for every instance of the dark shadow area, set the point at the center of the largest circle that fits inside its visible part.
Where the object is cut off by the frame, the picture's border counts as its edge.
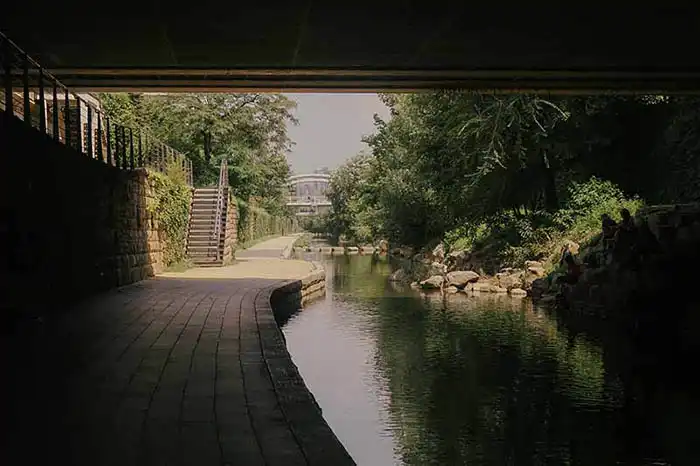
(650, 340)
(70, 225)
(161, 371)
(287, 303)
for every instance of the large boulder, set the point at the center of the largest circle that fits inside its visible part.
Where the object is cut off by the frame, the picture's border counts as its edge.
(433, 283)
(461, 278)
(399, 276)
(457, 260)
(439, 252)
(539, 287)
(527, 281)
(483, 287)
(537, 271)
(436, 268)
(510, 280)
(422, 258)
(529, 264)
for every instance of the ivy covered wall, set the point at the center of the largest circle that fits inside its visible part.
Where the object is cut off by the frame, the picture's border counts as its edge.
(255, 223)
(168, 206)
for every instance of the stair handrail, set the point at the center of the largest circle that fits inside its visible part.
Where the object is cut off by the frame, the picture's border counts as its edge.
(223, 183)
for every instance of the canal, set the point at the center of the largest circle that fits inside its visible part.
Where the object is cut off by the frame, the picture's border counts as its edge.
(407, 379)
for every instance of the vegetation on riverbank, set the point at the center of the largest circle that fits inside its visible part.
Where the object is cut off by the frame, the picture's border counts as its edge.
(512, 177)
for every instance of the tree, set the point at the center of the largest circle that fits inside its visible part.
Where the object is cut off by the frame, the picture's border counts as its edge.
(248, 130)
(504, 165)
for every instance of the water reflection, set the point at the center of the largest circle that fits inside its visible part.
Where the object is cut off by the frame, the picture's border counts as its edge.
(456, 380)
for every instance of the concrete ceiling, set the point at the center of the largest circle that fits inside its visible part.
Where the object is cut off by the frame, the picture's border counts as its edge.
(218, 45)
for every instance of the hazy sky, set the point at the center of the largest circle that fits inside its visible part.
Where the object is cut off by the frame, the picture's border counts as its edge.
(330, 128)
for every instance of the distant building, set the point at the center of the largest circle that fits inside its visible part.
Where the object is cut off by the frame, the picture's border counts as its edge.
(307, 194)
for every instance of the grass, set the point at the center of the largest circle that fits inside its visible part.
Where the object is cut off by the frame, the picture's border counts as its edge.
(303, 241)
(180, 266)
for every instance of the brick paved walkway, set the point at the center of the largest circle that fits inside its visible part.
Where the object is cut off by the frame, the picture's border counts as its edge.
(167, 371)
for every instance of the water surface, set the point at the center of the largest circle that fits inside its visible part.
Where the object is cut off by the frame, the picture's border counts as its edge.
(421, 380)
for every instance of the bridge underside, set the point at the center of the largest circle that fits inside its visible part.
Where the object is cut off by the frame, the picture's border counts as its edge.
(216, 46)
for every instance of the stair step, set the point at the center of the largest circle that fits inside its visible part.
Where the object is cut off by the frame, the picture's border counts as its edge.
(203, 250)
(205, 236)
(203, 244)
(203, 247)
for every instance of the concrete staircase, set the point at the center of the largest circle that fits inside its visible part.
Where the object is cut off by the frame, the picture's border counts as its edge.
(204, 247)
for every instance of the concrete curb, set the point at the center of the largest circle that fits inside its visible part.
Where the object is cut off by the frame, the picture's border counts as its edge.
(301, 411)
(288, 249)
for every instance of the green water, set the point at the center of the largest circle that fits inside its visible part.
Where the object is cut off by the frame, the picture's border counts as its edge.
(492, 380)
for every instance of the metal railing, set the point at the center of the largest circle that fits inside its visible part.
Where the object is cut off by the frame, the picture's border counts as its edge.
(32, 94)
(308, 200)
(221, 192)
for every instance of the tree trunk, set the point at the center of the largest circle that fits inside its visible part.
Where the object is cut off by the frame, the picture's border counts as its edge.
(551, 200)
(207, 146)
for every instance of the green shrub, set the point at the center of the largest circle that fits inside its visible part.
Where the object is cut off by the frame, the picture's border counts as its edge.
(586, 202)
(514, 237)
(464, 238)
(169, 206)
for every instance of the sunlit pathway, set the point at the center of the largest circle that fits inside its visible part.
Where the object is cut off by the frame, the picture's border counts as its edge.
(182, 370)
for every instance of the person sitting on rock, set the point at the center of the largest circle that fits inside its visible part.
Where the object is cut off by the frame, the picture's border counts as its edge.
(565, 252)
(625, 238)
(573, 271)
(627, 220)
(609, 227)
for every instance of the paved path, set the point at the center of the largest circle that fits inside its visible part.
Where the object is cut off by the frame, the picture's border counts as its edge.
(272, 248)
(187, 370)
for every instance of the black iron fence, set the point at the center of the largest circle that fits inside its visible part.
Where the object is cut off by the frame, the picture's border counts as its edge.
(33, 95)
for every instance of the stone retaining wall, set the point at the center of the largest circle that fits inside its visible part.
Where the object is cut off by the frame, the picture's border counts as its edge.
(231, 234)
(69, 225)
(292, 295)
(301, 411)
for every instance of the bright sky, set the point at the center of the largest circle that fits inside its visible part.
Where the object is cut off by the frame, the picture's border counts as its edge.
(330, 128)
